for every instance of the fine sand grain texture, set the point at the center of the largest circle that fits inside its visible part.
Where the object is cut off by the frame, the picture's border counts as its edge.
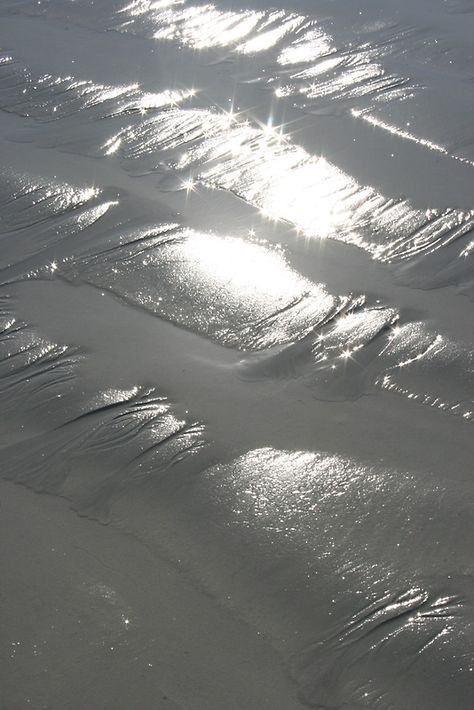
(236, 355)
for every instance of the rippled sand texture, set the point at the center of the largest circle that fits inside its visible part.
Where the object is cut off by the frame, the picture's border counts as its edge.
(236, 325)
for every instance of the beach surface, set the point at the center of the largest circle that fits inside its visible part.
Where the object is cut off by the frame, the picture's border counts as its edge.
(236, 355)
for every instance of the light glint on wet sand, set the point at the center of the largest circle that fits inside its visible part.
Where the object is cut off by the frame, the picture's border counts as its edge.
(236, 355)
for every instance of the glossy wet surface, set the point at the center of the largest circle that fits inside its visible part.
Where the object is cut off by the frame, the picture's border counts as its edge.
(236, 316)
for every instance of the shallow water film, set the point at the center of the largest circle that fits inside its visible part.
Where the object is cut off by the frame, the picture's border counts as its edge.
(236, 355)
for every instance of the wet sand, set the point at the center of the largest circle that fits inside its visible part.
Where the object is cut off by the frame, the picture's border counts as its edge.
(236, 355)
(93, 618)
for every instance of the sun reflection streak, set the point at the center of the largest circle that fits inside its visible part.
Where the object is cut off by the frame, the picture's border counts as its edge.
(414, 357)
(269, 38)
(311, 46)
(243, 293)
(468, 250)
(206, 26)
(263, 166)
(368, 117)
(352, 73)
